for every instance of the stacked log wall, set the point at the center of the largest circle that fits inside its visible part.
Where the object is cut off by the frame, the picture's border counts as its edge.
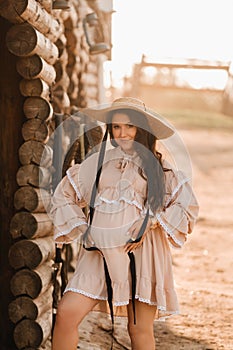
(58, 74)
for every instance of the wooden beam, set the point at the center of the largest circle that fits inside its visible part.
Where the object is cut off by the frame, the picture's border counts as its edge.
(24, 40)
(36, 200)
(30, 225)
(31, 253)
(19, 11)
(35, 67)
(188, 65)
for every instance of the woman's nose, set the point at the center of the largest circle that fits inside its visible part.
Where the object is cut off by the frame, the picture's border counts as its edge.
(123, 131)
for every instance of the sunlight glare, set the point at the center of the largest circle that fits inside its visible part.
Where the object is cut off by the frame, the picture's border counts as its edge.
(168, 28)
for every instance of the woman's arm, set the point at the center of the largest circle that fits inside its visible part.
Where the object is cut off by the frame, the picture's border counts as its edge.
(181, 208)
(68, 217)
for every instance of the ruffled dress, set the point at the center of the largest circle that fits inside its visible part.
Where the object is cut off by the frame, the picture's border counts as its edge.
(120, 201)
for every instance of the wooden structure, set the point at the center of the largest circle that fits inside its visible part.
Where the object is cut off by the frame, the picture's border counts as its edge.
(46, 70)
(158, 84)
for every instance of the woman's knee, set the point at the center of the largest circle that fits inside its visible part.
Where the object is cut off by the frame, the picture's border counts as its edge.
(72, 308)
(139, 330)
(68, 313)
(65, 314)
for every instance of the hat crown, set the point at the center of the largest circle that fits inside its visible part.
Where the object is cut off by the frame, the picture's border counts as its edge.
(131, 101)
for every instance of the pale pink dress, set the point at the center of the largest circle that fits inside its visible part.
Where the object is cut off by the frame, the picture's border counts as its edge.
(119, 203)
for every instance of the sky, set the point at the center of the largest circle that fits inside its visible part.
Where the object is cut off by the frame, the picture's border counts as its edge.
(169, 28)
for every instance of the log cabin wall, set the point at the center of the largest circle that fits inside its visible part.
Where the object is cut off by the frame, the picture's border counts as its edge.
(46, 69)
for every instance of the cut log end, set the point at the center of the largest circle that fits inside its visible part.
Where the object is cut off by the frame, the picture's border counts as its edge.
(28, 333)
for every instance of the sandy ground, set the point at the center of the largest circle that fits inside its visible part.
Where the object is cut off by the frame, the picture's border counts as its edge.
(203, 268)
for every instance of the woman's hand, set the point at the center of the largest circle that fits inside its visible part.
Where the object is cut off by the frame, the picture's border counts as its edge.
(75, 233)
(133, 233)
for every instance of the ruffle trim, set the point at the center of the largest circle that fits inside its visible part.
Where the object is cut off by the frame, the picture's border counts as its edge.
(169, 231)
(158, 216)
(162, 309)
(176, 189)
(114, 201)
(66, 232)
(80, 291)
(73, 185)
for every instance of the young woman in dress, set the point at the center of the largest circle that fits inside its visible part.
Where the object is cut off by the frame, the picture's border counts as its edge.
(139, 206)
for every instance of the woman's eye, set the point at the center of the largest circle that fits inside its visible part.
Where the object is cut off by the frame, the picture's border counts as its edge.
(130, 126)
(115, 127)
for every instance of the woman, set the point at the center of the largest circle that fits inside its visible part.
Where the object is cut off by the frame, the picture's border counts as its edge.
(138, 205)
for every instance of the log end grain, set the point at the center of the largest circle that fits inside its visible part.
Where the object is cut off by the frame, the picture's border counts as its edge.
(26, 282)
(28, 333)
(24, 253)
(21, 308)
(23, 224)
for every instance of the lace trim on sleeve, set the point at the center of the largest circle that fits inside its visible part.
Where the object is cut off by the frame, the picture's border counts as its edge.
(63, 233)
(168, 230)
(73, 185)
(176, 189)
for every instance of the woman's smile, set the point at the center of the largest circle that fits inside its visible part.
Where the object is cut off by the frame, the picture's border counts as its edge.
(123, 131)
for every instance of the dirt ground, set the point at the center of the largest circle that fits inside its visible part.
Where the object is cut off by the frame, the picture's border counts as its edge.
(203, 268)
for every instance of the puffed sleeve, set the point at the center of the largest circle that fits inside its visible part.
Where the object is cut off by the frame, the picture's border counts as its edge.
(66, 209)
(181, 208)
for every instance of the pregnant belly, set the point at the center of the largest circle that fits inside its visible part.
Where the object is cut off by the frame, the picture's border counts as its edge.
(110, 229)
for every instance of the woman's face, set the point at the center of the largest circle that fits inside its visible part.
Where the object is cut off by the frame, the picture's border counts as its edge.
(123, 131)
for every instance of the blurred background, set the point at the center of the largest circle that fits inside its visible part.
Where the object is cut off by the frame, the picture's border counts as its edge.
(175, 55)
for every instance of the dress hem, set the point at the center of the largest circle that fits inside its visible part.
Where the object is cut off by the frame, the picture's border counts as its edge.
(161, 309)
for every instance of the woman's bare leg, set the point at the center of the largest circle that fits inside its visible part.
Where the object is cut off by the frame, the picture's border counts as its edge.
(72, 308)
(141, 333)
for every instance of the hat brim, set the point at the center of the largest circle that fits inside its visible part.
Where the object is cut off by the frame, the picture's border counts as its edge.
(158, 125)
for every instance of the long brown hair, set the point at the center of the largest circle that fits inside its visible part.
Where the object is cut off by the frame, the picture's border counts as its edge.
(145, 146)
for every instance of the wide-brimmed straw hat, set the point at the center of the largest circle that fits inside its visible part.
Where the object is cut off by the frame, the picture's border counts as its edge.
(159, 126)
